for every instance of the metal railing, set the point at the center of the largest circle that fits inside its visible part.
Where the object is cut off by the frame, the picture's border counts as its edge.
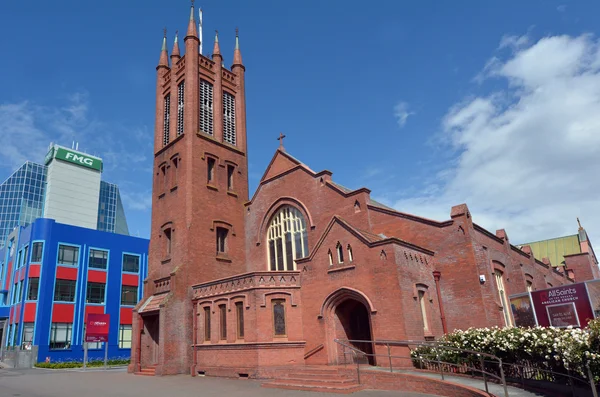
(490, 367)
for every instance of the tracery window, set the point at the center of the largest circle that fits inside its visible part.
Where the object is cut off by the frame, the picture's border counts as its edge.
(287, 239)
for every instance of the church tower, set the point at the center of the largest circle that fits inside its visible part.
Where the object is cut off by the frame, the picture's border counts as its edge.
(200, 184)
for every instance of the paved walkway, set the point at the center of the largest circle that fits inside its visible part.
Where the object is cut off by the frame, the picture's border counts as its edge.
(493, 388)
(75, 383)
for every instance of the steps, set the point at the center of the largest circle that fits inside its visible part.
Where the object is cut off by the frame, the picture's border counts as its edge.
(148, 371)
(319, 379)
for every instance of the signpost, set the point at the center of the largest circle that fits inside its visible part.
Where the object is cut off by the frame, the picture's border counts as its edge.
(96, 330)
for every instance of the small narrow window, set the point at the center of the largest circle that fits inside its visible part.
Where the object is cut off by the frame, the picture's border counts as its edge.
(98, 259)
(223, 321)
(279, 317)
(206, 107)
(230, 171)
(529, 286)
(167, 234)
(163, 177)
(131, 263)
(221, 240)
(422, 303)
(350, 257)
(125, 334)
(229, 118)
(34, 285)
(27, 334)
(175, 170)
(180, 107)
(239, 309)
(64, 290)
(166, 120)
(550, 285)
(207, 324)
(210, 169)
(68, 255)
(95, 293)
(340, 252)
(129, 295)
(330, 258)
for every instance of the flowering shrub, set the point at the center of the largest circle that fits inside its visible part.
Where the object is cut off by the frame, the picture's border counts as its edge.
(562, 350)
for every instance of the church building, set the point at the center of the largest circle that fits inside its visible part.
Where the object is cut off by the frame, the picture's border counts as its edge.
(237, 284)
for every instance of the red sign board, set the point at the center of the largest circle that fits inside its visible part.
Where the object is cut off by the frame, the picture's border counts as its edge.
(562, 306)
(96, 327)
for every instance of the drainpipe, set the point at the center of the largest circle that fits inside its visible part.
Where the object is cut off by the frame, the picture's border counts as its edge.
(436, 276)
(141, 327)
(195, 338)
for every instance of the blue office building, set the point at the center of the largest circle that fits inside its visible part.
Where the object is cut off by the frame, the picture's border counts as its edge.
(52, 275)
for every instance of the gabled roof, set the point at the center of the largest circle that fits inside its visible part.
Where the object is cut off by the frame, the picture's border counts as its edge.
(368, 238)
(281, 162)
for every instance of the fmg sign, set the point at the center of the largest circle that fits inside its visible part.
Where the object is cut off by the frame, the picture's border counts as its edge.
(74, 158)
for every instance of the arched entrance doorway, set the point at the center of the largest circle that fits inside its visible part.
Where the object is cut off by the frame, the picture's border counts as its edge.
(353, 323)
(348, 317)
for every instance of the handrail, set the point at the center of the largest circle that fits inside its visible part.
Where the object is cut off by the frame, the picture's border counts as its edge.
(407, 343)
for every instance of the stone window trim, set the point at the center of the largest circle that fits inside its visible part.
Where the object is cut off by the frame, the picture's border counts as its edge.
(340, 252)
(175, 161)
(420, 289)
(275, 207)
(284, 303)
(211, 177)
(167, 230)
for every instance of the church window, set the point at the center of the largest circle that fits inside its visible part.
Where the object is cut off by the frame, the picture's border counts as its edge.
(422, 304)
(175, 170)
(206, 324)
(503, 298)
(221, 240)
(163, 176)
(206, 107)
(210, 169)
(287, 239)
(350, 257)
(180, 99)
(166, 119)
(167, 233)
(340, 252)
(239, 309)
(230, 173)
(279, 317)
(228, 118)
(330, 255)
(529, 286)
(223, 322)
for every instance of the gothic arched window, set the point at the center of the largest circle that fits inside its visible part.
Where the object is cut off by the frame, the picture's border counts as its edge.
(287, 239)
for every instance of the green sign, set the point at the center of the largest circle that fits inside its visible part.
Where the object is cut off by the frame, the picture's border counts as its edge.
(49, 156)
(77, 158)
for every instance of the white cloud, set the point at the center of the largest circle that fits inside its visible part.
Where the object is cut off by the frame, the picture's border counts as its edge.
(561, 8)
(28, 128)
(402, 113)
(529, 153)
(514, 42)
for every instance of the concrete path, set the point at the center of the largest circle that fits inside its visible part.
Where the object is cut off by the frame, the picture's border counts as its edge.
(116, 382)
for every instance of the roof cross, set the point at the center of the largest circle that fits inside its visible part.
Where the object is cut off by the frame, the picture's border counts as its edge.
(280, 139)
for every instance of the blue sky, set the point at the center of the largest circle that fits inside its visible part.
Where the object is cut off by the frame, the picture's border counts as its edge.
(429, 104)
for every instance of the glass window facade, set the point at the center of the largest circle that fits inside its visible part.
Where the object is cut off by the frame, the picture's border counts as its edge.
(98, 259)
(129, 295)
(131, 263)
(124, 336)
(21, 198)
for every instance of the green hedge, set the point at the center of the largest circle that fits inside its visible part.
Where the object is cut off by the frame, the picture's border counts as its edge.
(79, 364)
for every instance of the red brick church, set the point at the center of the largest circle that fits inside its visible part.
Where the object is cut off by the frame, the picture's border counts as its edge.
(239, 283)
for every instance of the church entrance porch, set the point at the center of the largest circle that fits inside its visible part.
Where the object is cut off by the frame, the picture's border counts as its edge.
(348, 318)
(353, 323)
(150, 346)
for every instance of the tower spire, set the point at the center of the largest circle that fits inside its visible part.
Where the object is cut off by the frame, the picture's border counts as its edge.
(200, 29)
(237, 54)
(175, 52)
(164, 57)
(216, 49)
(191, 30)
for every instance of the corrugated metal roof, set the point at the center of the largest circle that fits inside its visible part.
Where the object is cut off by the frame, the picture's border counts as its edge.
(555, 249)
